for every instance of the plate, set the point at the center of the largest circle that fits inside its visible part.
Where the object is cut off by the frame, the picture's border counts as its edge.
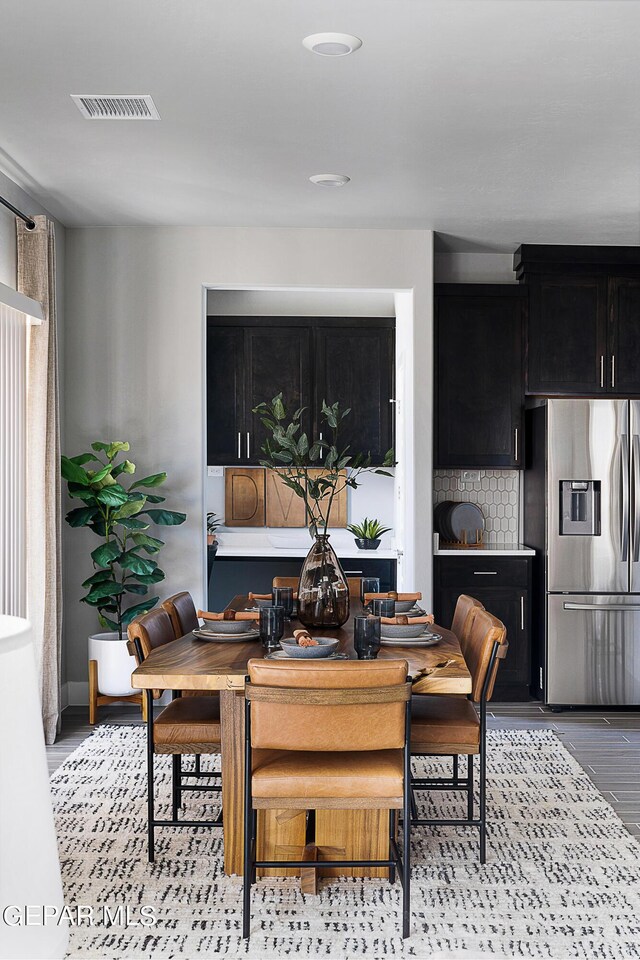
(226, 637)
(415, 612)
(281, 655)
(430, 641)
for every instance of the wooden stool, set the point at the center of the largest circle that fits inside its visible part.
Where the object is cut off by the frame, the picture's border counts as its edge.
(97, 699)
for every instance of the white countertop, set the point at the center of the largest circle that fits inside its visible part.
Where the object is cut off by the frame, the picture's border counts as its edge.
(490, 549)
(295, 543)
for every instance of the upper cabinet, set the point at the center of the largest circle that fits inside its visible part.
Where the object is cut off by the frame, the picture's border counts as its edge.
(479, 375)
(253, 359)
(583, 332)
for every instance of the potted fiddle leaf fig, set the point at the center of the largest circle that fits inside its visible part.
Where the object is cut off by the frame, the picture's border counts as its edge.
(119, 510)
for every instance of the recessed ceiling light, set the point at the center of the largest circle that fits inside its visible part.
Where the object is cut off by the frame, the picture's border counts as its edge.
(332, 44)
(329, 179)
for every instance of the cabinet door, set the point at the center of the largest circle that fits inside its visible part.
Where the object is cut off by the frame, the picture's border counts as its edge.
(623, 373)
(354, 366)
(566, 340)
(225, 395)
(479, 381)
(277, 361)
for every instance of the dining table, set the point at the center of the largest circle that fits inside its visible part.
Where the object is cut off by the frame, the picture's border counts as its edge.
(191, 663)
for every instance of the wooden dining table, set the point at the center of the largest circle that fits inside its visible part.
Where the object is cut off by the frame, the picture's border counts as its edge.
(189, 663)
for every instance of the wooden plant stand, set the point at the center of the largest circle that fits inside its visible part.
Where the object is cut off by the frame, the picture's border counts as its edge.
(97, 699)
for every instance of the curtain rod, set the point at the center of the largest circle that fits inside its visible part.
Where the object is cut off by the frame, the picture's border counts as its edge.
(31, 224)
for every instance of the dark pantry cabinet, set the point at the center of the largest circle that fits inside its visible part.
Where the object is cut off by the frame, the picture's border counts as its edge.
(503, 585)
(479, 374)
(583, 331)
(253, 359)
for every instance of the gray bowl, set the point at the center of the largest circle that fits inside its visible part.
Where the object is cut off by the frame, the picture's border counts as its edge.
(406, 631)
(229, 626)
(403, 606)
(326, 646)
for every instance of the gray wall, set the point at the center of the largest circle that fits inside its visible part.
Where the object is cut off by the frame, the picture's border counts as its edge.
(134, 361)
(473, 268)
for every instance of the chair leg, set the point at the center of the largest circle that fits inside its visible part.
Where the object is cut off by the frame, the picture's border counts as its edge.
(197, 770)
(483, 801)
(406, 855)
(248, 869)
(150, 809)
(392, 834)
(175, 785)
(455, 768)
(469, 786)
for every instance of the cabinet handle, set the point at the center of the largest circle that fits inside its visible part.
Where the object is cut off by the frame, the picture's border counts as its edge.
(515, 444)
(321, 450)
(613, 370)
(602, 370)
(522, 613)
(248, 447)
(485, 573)
(239, 444)
(354, 573)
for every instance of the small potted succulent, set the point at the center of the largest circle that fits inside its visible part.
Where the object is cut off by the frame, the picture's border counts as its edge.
(213, 522)
(368, 533)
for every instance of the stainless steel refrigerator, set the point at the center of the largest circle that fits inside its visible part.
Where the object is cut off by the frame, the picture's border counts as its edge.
(582, 511)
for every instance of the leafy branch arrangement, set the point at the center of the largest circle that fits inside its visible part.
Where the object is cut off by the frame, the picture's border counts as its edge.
(119, 517)
(368, 529)
(293, 455)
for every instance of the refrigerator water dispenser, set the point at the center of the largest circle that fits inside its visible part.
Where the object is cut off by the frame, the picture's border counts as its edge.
(580, 508)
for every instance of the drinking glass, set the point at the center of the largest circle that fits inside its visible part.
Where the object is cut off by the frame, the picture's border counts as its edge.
(383, 608)
(283, 597)
(369, 585)
(366, 637)
(271, 627)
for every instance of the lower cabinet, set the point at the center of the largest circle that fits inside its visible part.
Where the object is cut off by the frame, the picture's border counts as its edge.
(503, 585)
(230, 576)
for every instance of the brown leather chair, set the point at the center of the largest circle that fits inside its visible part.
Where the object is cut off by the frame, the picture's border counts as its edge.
(188, 725)
(352, 582)
(466, 608)
(325, 736)
(451, 726)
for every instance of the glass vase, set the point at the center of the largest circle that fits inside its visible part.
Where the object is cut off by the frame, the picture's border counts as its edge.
(323, 591)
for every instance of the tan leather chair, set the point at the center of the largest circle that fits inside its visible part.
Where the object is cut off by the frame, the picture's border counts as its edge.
(352, 582)
(188, 725)
(466, 609)
(451, 726)
(325, 736)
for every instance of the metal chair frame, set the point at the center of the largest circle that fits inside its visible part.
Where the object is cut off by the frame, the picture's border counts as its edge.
(400, 858)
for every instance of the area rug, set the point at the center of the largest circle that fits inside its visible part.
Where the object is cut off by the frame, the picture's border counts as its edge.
(562, 877)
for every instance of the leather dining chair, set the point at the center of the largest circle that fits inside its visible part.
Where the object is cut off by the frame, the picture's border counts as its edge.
(187, 725)
(466, 608)
(327, 736)
(451, 726)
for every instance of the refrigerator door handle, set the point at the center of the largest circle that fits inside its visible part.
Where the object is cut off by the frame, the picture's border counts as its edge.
(624, 497)
(626, 607)
(635, 494)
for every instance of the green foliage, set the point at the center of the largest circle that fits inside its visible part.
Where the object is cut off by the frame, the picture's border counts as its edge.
(117, 516)
(294, 455)
(368, 529)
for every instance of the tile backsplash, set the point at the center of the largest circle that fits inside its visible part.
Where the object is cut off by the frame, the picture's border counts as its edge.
(497, 493)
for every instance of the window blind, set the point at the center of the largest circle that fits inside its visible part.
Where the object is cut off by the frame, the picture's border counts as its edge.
(13, 386)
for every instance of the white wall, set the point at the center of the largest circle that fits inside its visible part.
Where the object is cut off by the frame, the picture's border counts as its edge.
(134, 360)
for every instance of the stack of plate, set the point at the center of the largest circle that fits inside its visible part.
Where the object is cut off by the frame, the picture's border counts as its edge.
(228, 631)
(408, 635)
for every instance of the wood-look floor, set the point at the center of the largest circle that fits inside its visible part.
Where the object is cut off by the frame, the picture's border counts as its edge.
(606, 743)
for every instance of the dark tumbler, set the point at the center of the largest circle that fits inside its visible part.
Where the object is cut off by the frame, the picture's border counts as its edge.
(271, 627)
(366, 637)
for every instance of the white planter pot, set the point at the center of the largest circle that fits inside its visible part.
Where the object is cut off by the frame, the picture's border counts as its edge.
(115, 665)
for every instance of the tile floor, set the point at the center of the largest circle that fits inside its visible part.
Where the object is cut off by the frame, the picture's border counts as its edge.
(606, 743)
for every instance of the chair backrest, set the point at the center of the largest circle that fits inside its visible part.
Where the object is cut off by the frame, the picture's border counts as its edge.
(463, 616)
(314, 723)
(352, 582)
(182, 611)
(153, 629)
(485, 631)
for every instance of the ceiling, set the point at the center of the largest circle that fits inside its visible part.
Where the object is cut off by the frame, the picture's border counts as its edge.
(493, 122)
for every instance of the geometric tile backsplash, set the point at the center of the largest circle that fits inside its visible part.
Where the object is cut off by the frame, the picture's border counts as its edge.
(497, 493)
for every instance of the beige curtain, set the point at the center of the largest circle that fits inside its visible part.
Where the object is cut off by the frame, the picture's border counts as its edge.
(37, 279)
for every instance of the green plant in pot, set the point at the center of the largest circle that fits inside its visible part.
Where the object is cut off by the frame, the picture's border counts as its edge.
(317, 471)
(368, 533)
(124, 567)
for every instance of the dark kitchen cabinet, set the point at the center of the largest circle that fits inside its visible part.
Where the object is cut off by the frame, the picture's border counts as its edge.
(253, 359)
(354, 366)
(583, 335)
(479, 375)
(503, 585)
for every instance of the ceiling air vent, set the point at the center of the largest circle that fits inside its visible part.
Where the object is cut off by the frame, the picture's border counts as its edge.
(100, 106)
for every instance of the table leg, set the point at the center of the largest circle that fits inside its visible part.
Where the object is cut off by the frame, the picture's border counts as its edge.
(353, 835)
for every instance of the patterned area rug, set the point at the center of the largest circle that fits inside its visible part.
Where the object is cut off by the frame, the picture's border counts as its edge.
(562, 878)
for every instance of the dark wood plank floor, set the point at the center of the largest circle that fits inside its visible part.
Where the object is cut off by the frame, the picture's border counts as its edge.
(606, 743)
